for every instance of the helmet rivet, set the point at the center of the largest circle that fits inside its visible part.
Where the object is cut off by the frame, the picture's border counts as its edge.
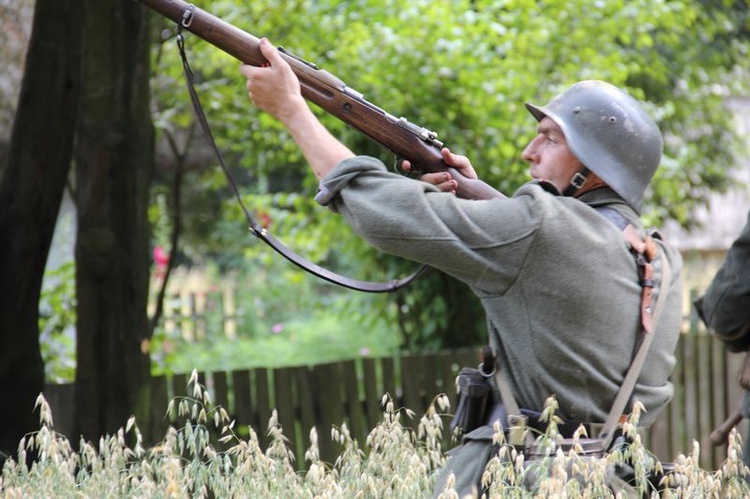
(577, 110)
(613, 119)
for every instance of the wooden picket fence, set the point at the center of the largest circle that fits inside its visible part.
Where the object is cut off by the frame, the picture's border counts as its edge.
(351, 392)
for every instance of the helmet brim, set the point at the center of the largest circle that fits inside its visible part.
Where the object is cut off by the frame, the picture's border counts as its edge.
(535, 111)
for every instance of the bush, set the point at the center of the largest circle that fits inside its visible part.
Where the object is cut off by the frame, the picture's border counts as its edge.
(206, 458)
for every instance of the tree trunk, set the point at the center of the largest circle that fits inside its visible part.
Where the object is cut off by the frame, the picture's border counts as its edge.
(114, 166)
(31, 190)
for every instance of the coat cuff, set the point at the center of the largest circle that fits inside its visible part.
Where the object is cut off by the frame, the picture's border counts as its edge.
(338, 178)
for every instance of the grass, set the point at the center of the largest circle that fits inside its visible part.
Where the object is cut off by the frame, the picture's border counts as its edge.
(206, 458)
(310, 340)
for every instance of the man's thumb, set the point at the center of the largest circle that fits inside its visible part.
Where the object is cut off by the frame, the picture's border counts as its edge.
(269, 51)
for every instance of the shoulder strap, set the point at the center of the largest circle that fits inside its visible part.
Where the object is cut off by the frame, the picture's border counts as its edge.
(260, 231)
(506, 393)
(613, 216)
(645, 250)
(516, 422)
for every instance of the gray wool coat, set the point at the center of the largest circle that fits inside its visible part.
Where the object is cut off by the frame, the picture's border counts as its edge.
(556, 279)
(725, 307)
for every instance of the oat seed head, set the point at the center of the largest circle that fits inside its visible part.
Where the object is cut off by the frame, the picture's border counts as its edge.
(396, 460)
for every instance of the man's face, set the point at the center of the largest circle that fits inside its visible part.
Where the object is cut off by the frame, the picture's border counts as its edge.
(549, 157)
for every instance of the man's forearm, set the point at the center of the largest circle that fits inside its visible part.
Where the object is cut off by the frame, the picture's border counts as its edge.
(321, 149)
(275, 89)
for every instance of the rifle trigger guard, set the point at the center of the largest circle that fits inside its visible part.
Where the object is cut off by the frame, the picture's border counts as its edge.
(188, 16)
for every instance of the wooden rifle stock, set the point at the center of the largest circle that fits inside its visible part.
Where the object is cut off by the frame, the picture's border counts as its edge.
(407, 140)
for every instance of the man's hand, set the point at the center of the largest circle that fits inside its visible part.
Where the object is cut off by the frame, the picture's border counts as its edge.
(274, 88)
(443, 180)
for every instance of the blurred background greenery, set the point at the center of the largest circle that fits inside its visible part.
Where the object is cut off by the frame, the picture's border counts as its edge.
(461, 68)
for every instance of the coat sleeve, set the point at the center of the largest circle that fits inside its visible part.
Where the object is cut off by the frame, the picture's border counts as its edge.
(482, 243)
(725, 308)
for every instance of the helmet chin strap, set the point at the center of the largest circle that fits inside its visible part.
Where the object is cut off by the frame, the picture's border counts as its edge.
(577, 181)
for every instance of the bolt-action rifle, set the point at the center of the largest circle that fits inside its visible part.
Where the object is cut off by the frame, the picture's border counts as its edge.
(405, 139)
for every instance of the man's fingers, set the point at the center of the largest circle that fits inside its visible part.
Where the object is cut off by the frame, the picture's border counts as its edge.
(460, 162)
(246, 70)
(441, 180)
(270, 52)
(435, 178)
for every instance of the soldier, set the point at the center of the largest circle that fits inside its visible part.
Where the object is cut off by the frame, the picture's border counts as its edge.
(725, 309)
(557, 280)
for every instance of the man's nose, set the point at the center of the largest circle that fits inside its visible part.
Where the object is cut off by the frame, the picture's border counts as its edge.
(529, 153)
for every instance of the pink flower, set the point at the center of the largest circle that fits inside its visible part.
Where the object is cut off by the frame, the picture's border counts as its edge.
(161, 257)
(161, 261)
(277, 328)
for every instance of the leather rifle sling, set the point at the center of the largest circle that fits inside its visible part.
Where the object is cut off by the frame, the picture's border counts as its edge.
(258, 230)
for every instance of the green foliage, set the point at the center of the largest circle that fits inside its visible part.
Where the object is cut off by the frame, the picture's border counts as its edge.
(57, 319)
(316, 339)
(282, 317)
(464, 69)
(394, 461)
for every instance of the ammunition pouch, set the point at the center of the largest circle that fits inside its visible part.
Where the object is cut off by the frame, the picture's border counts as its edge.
(475, 394)
(474, 398)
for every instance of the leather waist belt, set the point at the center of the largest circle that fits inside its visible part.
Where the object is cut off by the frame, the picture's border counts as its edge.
(566, 428)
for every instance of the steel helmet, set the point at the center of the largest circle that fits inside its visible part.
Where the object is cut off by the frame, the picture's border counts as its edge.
(609, 132)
